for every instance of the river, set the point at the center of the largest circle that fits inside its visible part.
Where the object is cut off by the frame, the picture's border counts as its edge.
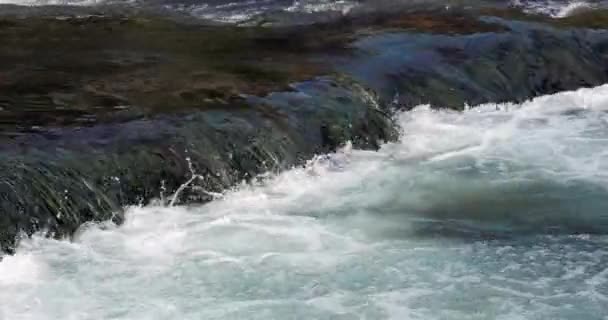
(498, 212)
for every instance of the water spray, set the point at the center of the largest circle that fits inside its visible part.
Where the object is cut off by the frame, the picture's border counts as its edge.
(185, 185)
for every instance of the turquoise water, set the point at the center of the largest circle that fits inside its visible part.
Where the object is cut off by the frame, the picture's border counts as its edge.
(499, 212)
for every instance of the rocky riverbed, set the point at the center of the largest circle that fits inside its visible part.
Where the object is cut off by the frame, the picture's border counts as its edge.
(102, 108)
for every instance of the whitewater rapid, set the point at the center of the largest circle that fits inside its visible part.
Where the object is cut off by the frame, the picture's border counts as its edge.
(498, 212)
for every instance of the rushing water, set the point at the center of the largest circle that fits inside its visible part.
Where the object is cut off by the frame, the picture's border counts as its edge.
(235, 11)
(558, 8)
(500, 212)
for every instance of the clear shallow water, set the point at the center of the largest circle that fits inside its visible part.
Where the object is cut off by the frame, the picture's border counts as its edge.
(499, 212)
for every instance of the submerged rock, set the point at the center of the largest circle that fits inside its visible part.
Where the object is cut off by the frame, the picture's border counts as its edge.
(64, 177)
(453, 71)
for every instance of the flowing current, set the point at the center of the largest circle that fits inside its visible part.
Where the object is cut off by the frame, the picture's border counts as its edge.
(498, 212)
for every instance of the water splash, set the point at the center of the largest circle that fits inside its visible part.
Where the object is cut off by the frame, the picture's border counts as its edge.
(188, 184)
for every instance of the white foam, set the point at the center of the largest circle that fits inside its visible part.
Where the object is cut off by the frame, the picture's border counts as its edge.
(322, 6)
(22, 268)
(236, 12)
(555, 9)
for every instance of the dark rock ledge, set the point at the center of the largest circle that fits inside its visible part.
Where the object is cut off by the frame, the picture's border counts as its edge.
(98, 112)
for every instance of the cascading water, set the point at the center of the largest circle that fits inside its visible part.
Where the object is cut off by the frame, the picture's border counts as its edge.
(498, 212)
